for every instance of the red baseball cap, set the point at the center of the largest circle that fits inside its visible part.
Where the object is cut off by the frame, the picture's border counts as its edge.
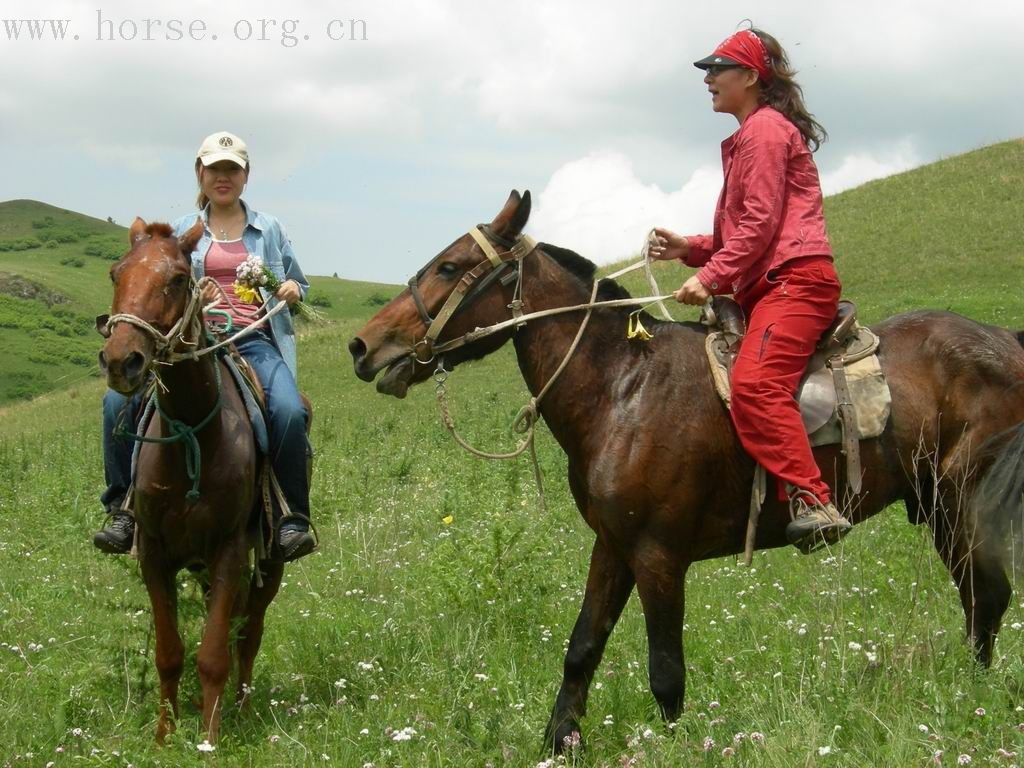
(743, 49)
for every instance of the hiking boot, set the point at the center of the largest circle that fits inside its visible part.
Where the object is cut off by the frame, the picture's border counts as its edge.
(295, 543)
(814, 525)
(117, 535)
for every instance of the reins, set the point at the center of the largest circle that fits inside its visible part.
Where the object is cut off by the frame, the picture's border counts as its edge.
(165, 354)
(518, 249)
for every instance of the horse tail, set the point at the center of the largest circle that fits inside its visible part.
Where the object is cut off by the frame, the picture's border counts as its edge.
(998, 499)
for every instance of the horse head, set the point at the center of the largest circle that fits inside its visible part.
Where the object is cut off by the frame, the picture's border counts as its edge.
(470, 284)
(152, 286)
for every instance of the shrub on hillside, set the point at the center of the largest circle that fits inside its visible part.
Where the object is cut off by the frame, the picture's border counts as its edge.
(377, 300)
(51, 244)
(318, 299)
(73, 261)
(43, 223)
(19, 244)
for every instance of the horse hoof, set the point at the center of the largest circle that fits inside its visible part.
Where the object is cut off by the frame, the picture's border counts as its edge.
(565, 739)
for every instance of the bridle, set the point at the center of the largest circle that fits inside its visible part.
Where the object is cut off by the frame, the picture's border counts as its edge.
(505, 266)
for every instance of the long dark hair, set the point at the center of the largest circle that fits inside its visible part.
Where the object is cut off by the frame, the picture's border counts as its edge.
(784, 94)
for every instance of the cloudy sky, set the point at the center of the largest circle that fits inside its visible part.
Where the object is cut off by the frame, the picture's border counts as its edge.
(379, 146)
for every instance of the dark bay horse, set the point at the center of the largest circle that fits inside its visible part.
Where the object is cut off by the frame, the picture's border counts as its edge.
(654, 464)
(153, 287)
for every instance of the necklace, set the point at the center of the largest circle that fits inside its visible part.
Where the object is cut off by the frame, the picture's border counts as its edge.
(223, 229)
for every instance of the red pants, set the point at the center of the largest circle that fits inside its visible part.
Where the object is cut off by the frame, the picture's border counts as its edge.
(787, 311)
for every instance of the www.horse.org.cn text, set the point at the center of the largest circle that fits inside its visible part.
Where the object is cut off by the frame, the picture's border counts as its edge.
(286, 32)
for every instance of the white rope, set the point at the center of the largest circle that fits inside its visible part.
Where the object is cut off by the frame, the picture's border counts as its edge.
(192, 308)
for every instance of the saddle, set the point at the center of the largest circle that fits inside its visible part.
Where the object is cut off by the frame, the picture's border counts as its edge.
(843, 396)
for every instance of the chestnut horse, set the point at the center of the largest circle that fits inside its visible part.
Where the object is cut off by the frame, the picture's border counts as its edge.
(153, 287)
(654, 464)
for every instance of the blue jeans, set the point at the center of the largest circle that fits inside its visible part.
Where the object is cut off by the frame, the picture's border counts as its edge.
(289, 448)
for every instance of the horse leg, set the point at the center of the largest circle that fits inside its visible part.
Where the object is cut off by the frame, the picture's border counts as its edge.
(609, 585)
(170, 653)
(252, 632)
(214, 658)
(659, 581)
(977, 570)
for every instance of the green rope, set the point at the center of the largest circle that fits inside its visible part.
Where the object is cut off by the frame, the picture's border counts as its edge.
(180, 431)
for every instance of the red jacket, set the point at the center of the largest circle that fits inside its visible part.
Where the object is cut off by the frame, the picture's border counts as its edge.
(769, 211)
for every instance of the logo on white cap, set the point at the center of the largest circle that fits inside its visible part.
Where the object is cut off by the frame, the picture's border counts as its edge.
(225, 141)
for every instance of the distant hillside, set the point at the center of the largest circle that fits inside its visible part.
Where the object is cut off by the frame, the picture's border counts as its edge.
(949, 235)
(54, 280)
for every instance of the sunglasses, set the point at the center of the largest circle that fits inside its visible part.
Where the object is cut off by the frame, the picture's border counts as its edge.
(716, 69)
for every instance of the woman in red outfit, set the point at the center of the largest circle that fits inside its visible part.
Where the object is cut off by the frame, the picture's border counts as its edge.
(770, 250)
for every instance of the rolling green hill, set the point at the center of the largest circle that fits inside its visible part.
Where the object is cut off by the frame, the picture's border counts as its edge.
(949, 235)
(53, 282)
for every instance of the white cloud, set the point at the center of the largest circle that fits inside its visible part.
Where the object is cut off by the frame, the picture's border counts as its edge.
(860, 167)
(597, 206)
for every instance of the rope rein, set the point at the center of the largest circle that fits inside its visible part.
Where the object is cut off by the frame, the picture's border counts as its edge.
(166, 355)
(525, 421)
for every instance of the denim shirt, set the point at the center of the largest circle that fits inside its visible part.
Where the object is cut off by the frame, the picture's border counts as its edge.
(263, 236)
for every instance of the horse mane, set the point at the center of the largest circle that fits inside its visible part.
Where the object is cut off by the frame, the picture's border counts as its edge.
(159, 229)
(585, 270)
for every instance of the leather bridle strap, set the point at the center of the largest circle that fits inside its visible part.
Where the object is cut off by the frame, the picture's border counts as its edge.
(468, 289)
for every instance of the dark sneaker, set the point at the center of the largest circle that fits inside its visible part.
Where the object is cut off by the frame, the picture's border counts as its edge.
(117, 535)
(295, 543)
(814, 524)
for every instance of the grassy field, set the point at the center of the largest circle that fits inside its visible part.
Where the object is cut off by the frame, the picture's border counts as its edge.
(410, 641)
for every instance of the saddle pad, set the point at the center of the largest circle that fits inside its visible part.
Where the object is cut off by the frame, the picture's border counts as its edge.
(869, 391)
(259, 423)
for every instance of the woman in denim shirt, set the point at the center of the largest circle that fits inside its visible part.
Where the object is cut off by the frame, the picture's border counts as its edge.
(233, 231)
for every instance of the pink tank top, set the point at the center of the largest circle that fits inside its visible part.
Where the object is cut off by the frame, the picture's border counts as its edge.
(222, 260)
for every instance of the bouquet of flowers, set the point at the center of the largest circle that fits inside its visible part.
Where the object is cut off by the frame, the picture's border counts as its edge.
(252, 274)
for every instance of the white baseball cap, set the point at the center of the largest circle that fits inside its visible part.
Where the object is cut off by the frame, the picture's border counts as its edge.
(223, 146)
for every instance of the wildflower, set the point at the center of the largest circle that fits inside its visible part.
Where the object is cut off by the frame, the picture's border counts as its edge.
(923, 728)
(822, 751)
(757, 737)
(709, 743)
(448, 519)
(364, 732)
(205, 746)
(980, 711)
(853, 646)
(937, 757)
(274, 738)
(572, 741)
(648, 733)
(1005, 754)
(728, 752)
(713, 705)
(738, 738)
(405, 734)
(963, 760)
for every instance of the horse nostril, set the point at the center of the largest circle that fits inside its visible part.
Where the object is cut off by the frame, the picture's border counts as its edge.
(133, 365)
(357, 348)
(103, 361)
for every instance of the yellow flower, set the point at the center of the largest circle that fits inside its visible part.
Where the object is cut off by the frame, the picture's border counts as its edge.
(448, 520)
(245, 293)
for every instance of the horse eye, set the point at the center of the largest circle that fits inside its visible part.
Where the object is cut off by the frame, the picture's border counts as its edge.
(447, 269)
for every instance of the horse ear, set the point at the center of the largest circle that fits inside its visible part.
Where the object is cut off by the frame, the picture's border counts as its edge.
(187, 241)
(137, 230)
(513, 217)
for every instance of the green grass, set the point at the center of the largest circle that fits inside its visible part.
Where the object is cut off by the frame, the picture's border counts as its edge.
(458, 631)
